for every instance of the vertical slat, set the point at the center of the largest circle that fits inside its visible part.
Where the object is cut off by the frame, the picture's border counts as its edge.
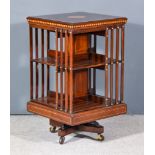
(117, 65)
(66, 71)
(48, 40)
(106, 67)
(42, 55)
(56, 65)
(95, 42)
(61, 69)
(94, 70)
(122, 66)
(89, 70)
(111, 66)
(48, 68)
(36, 46)
(48, 78)
(71, 72)
(31, 63)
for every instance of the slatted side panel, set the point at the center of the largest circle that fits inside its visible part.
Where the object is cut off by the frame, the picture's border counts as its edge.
(36, 43)
(34, 54)
(64, 66)
(118, 77)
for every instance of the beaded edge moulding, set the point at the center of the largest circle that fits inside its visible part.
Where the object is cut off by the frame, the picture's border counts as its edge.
(32, 20)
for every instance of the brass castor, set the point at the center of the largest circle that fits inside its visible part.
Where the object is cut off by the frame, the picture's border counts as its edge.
(61, 140)
(100, 137)
(52, 129)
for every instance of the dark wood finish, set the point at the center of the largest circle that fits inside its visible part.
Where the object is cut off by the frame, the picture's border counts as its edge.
(80, 52)
(90, 22)
(81, 44)
(55, 123)
(77, 118)
(80, 83)
(48, 40)
(89, 127)
(74, 104)
(67, 131)
(76, 18)
(89, 56)
(94, 70)
(79, 104)
(96, 61)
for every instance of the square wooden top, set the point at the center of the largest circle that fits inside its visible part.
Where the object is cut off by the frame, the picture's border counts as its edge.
(76, 17)
(76, 20)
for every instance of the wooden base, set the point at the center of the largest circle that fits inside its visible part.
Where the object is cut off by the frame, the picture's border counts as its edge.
(77, 118)
(64, 130)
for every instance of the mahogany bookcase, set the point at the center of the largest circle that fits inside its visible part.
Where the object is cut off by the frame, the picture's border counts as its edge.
(74, 103)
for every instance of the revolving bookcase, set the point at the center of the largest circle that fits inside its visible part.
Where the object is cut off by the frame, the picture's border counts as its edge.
(68, 43)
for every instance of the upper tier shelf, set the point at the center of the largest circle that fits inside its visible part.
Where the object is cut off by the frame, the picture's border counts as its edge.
(95, 61)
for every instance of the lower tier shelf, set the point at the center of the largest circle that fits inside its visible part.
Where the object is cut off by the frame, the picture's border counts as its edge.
(84, 112)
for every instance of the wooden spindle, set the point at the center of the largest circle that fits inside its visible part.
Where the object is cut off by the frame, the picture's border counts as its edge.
(56, 65)
(48, 40)
(94, 81)
(36, 46)
(66, 71)
(122, 66)
(111, 66)
(42, 55)
(89, 70)
(89, 80)
(106, 67)
(31, 63)
(71, 72)
(94, 70)
(61, 69)
(48, 68)
(117, 65)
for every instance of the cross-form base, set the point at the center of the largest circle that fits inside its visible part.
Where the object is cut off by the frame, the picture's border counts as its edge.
(64, 130)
